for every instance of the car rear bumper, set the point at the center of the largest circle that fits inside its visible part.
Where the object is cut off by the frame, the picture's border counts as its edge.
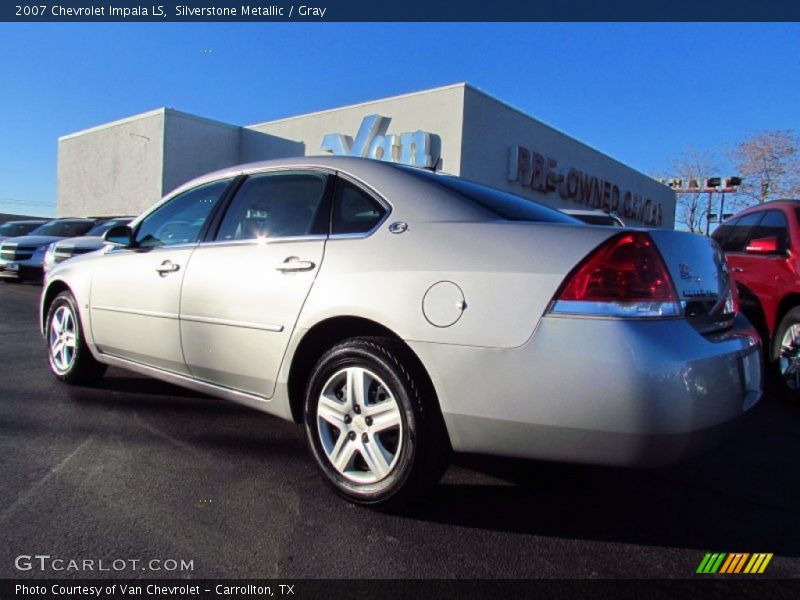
(601, 391)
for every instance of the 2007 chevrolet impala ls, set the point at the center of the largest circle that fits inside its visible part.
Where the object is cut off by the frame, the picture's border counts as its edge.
(400, 314)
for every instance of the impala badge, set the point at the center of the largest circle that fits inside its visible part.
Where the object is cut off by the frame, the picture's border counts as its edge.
(398, 227)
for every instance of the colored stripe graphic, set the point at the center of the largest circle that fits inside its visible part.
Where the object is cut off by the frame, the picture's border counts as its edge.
(740, 564)
(735, 562)
(703, 563)
(711, 562)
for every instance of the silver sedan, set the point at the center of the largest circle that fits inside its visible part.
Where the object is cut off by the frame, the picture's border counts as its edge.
(399, 314)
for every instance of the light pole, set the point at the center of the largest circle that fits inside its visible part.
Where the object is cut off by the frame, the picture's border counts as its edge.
(712, 183)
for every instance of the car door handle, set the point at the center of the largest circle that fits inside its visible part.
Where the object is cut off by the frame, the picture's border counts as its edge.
(167, 267)
(738, 270)
(293, 263)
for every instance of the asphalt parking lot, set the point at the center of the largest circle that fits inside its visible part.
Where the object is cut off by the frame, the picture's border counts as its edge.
(138, 469)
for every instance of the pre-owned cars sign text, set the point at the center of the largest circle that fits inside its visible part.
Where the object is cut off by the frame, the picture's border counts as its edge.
(543, 174)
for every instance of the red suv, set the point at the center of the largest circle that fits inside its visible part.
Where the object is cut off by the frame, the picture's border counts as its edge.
(762, 245)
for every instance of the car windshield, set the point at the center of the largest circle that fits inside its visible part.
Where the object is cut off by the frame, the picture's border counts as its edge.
(64, 228)
(502, 204)
(104, 226)
(15, 229)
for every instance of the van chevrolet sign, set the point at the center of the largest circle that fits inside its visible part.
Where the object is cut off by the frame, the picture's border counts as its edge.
(372, 141)
(543, 174)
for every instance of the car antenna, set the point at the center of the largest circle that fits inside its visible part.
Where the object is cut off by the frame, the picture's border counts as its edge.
(436, 165)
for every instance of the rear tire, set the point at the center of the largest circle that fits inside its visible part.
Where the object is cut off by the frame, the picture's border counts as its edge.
(71, 361)
(373, 424)
(785, 357)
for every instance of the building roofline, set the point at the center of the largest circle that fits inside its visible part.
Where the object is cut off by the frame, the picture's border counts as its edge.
(110, 124)
(361, 104)
(164, 110)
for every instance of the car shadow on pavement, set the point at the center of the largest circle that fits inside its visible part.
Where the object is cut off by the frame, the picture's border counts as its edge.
(741, 497)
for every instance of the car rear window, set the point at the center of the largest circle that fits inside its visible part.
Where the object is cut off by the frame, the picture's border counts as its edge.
(501, 204)
(104, 226)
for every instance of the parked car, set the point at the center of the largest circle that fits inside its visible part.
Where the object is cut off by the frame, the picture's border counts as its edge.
(397, 313)
(65, 249)
(22, 258)
(11, 229)
(594, 217)
(762, 245)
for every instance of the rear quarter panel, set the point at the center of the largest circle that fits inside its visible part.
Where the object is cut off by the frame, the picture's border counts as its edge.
(508, 273)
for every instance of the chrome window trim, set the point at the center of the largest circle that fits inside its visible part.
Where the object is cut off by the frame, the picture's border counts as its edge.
(264, 241)
(113, 249)
(134, 224)
(371, 192)
(289, 238)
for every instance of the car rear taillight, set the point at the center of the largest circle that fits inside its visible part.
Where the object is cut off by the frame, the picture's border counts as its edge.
(624, 277)
(731, 304)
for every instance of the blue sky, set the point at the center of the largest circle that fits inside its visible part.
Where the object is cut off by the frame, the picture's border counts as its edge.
(639, 92)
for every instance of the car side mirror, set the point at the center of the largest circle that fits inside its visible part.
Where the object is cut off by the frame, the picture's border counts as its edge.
(119, 235)
(767, 245)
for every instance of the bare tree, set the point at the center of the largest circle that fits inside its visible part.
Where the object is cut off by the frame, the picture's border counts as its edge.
(769, 164)
(693, 165)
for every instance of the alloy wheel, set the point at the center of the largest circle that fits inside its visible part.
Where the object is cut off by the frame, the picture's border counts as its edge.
(63, 339)
(360, 425)
(790, 357)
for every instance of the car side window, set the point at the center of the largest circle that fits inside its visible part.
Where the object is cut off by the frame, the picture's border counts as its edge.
(774, 224)
(274, 205)
(181, 219)
(723, 232)
(354, 210)
(740, 232)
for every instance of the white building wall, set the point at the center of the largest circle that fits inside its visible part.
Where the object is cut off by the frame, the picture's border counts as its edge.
(194, 146)
(114, 169)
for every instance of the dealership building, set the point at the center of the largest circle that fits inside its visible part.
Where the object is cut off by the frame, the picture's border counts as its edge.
(122, 167)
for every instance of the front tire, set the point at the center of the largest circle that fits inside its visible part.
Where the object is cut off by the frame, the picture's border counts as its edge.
(786, 356)
(71, 361)
(373, 424)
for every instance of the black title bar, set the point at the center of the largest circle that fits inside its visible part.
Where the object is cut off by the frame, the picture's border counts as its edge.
(712, 11)
(385, 589)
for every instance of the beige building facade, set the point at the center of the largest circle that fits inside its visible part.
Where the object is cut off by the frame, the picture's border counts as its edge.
(123, 167)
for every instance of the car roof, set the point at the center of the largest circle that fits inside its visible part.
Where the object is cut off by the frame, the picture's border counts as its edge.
(420, 198)
(24, 222)
(769, 204)
(75, 219)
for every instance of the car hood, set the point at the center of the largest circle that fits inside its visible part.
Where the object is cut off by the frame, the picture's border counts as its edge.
(33, 240)
(93, 242)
